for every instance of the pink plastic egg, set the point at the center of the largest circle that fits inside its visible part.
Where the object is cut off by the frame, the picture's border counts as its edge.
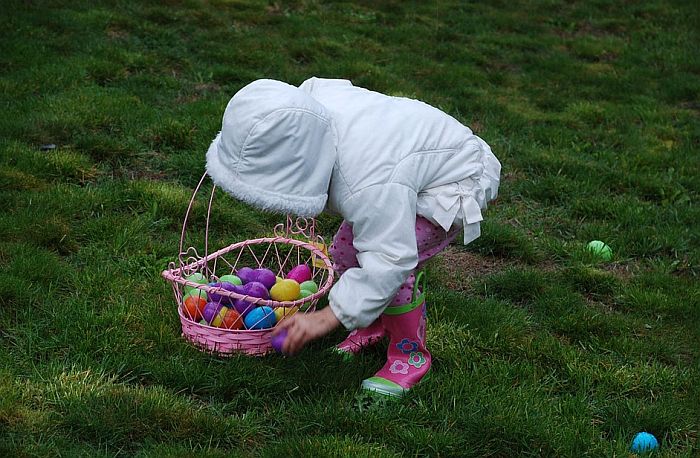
(300, 273)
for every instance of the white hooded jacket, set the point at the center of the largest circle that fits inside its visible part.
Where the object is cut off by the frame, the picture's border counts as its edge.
(377, 160)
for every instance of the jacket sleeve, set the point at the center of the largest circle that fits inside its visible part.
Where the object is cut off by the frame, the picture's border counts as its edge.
(383, 219)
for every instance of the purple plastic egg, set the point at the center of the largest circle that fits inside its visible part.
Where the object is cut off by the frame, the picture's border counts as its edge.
(278, 340)
(243, 307)
(266, 277)
(246, 274)
(210, 311)
(216, 296)
(255, 289)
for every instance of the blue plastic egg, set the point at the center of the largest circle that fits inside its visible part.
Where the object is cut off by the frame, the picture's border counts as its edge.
(644, 442)
(260, 318)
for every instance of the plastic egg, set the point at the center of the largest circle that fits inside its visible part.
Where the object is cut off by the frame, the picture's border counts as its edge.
(210, 310)
(219, 317)
(309, 285)
(300, 273)
(260, 318)
(286, 290)
(253, 289)
(196, 278)
(278, 340)
(304, 293)
(265, 276)
(232, 320)
(193, 307)
(216, 296)
(243, 307)
(194, 292)
(644, 442)
(281, 312)
(246, 274)
(233, 279)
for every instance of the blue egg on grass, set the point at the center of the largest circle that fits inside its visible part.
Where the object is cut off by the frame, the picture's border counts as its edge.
(644, 442)
(260, 318)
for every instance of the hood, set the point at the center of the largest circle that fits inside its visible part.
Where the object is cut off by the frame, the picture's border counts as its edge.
(276, 149)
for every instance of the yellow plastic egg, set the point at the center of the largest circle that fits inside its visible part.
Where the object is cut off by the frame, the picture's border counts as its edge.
(285, 290)
(281, 312)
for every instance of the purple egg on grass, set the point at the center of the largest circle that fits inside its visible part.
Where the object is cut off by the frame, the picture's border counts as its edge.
(278, 340)
(266, 277)
(216, 296)
(210, 311)
(246, 274)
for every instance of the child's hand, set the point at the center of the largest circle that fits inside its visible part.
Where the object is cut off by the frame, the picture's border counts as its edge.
(303, 328)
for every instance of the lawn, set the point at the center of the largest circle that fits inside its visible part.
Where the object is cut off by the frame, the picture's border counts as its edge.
(539, 348)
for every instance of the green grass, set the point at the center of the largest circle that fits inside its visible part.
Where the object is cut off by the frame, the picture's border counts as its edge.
(539, 349)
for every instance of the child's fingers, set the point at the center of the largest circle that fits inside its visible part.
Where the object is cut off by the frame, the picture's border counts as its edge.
(296, 338)
(284, 324)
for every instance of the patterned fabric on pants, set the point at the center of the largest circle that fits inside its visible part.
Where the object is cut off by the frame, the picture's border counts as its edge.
(430, 239)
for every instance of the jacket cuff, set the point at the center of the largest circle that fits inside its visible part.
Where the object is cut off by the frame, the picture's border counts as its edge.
(348, 321)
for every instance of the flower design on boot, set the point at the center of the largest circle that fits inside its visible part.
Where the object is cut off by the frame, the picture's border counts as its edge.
(407, 346)
(416, 359)
(399, 367)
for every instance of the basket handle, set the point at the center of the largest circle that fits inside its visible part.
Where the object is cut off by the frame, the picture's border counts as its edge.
(184, 224)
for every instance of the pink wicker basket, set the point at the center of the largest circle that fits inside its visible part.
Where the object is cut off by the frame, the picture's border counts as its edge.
(292, 244)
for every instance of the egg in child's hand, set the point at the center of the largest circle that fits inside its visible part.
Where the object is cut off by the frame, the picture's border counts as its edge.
(300, 273)
(260, 318)
(285, 290)
(278, 341)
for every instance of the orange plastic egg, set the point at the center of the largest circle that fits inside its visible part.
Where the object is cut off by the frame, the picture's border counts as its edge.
(232, 320)
(193, 307)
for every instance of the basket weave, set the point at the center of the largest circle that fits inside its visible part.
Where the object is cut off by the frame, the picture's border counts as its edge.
(278, 253)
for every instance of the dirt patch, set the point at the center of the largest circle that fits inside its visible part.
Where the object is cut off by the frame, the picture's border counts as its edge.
(459, 268)
(117, 34)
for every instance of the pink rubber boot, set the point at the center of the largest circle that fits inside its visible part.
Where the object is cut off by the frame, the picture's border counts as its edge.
(408, 359)
(359, 339)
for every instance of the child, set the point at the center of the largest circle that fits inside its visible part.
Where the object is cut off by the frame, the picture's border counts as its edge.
(406, 177)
